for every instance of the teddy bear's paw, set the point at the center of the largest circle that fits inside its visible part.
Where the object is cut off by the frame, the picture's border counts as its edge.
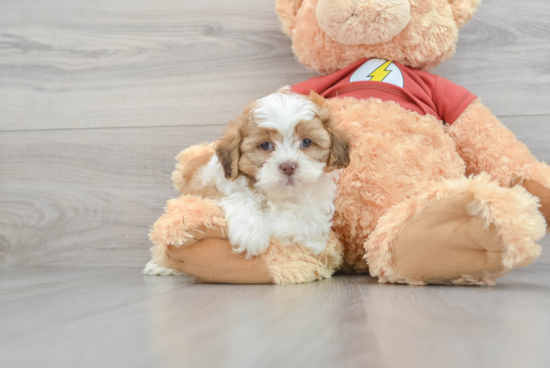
(190, 160)
(153, 269)
(445, 242)
(186, 220)
(541, 192)
(466, 232)
(203, 232)
(171, 229)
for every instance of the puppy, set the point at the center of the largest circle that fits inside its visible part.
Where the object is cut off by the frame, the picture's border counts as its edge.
(276, 171)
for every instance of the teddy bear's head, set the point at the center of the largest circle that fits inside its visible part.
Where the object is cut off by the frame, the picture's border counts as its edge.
(328, 35)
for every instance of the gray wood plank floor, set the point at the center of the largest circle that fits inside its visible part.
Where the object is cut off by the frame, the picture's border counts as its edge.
(102, 317)
(97, 97)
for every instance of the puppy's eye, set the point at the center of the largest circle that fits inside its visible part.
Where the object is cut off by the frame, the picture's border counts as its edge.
(305, 143)
(266, 146)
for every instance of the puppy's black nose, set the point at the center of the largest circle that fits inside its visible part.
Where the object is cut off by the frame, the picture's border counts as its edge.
(288, 168)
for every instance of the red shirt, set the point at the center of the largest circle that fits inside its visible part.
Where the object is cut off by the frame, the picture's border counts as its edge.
(413, 89)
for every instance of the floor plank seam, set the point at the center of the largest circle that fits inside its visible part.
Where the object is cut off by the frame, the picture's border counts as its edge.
(121, 127)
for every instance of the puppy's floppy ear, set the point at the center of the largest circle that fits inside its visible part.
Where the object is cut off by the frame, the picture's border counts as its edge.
(228, 148)
(340, 146)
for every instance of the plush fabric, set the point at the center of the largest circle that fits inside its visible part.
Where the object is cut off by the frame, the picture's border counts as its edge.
(189, 161)
(421, 201)
(428, 39)
(486, 145)
(363, 22)
(467, 231)
(213, 260)
(296, 265)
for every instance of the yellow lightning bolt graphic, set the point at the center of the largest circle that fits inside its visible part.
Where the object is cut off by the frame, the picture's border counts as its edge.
(380, 73)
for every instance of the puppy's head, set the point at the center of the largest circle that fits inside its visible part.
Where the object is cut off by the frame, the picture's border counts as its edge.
(283, 142)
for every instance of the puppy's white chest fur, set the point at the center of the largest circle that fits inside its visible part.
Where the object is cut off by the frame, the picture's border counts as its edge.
(299, 217)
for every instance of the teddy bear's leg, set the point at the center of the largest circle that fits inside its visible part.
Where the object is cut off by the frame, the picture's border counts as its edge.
(466, 231)
(486, 145)
(213, 260)
(186, 220)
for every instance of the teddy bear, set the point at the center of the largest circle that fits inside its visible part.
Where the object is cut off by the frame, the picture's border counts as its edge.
(438, 190)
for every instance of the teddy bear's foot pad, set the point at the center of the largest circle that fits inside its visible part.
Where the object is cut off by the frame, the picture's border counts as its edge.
(444, 242)
(467, 238)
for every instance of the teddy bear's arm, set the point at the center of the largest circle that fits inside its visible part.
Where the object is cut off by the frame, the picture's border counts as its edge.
(213, 260)
(190, 161)
(486, 145)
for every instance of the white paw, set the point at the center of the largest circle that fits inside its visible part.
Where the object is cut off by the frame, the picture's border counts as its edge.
(317, 246)
(253, 243)
(153, 269)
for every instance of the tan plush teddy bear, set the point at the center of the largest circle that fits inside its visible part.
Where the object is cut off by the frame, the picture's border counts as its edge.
(437, 191)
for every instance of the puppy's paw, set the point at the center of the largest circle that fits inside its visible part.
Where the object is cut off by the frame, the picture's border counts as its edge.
(316, 246)
(253, 243)
(153, 269)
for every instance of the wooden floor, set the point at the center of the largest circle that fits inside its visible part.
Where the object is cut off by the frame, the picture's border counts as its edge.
(112, 317)
(98, 96)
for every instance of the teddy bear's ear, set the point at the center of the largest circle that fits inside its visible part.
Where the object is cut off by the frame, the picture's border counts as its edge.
(287, 10)
(464, 10)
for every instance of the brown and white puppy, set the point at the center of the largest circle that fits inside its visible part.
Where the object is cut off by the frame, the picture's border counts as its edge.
(276, 170)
